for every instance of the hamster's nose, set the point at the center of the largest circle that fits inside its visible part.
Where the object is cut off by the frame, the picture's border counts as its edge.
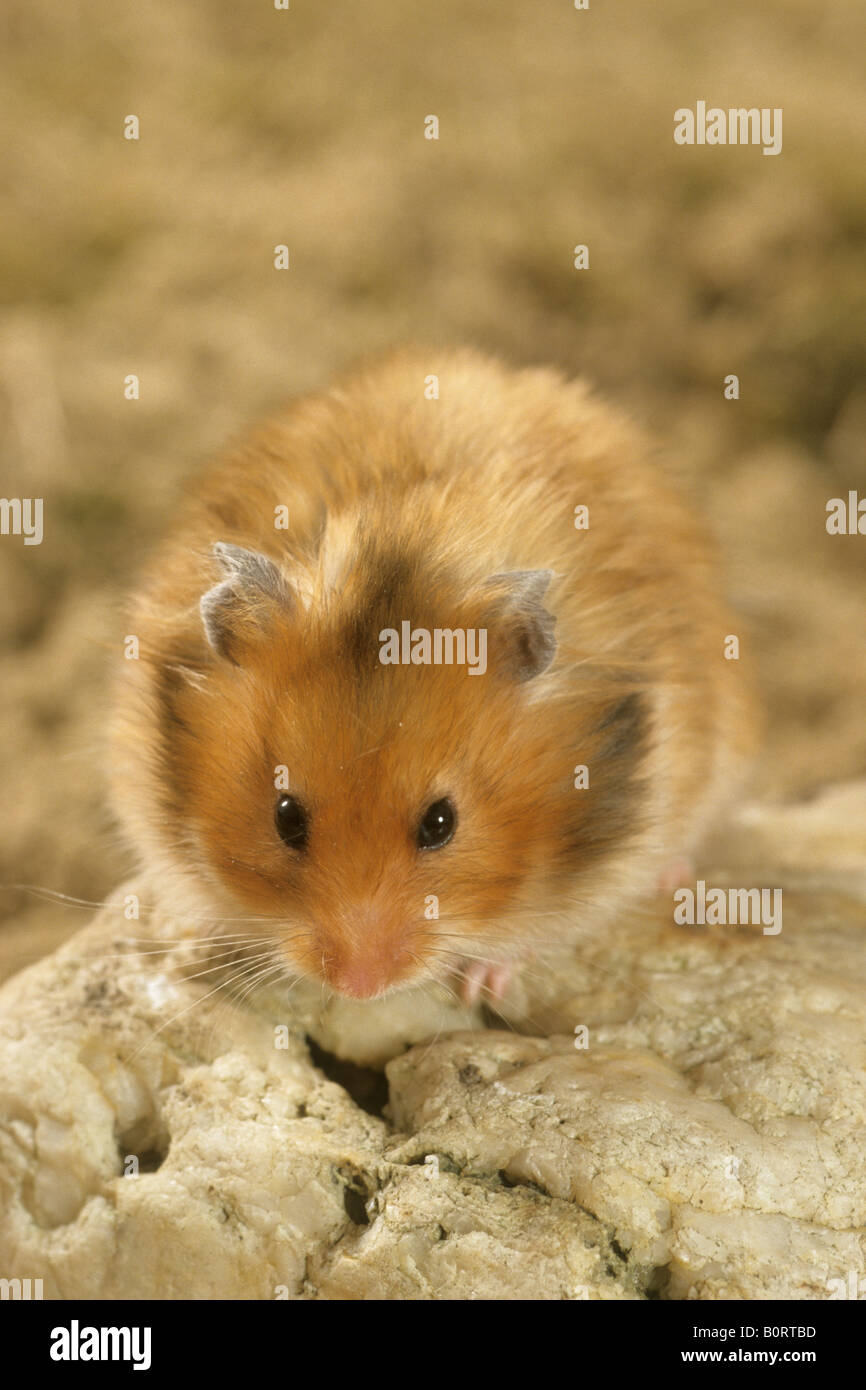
(364, 969)
(357, 980)
(364, 951)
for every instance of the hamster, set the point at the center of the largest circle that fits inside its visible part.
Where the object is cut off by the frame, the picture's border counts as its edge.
(431, 675)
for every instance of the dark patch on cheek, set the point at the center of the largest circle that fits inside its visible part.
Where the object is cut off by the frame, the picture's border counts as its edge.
(612, 807)
(624, 727)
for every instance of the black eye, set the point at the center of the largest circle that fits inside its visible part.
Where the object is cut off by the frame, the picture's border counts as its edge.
(290, 818)
(437, 825)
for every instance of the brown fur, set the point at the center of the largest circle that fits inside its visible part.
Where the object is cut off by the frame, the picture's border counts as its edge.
(403, 508)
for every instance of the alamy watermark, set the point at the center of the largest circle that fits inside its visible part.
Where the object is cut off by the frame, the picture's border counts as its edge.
(739, 125)
(20, 1289)
(22, 516)
(443, 646)
(77, 1343)
(721, 907)
(846, 518)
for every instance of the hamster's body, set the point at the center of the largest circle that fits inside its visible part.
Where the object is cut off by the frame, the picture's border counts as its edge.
(456, 513)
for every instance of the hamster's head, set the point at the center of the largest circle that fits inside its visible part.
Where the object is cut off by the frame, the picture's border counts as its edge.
(378, 779)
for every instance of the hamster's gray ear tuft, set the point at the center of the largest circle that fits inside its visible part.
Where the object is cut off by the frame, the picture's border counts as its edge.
(245, 602)
(523, 622)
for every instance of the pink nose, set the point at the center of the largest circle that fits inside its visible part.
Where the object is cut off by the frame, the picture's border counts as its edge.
(360, 979)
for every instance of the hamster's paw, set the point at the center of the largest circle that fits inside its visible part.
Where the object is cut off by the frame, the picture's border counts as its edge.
(485, 980)
(675, 874)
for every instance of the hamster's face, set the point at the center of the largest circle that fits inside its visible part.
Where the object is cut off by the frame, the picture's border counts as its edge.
(380, 819)
(383, 825)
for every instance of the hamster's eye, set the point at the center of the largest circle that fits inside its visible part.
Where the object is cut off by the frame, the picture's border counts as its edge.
(290, 818)
(437, 825)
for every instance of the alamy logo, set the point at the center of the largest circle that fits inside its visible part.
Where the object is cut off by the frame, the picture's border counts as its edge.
(22, 516)
(75, 1343)
(739, 125)
(717, 907)
(444, 646)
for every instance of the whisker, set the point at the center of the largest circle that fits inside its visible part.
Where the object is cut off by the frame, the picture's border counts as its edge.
(54, 895)
(223, 965)
(168, 1023)
(164, 951)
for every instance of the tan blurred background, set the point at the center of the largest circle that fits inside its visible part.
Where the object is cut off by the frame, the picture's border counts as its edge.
(260, 127)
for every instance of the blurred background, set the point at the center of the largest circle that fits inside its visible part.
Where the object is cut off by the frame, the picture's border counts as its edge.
(306, 127)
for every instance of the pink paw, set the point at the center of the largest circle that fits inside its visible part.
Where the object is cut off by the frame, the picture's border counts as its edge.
(482, 978)
(675, 874)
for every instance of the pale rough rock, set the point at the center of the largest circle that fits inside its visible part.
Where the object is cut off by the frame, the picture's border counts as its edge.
(709, 1142)
(831, 828)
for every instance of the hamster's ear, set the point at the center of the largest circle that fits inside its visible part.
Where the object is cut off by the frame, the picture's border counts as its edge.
(520, 621)
(245, 602)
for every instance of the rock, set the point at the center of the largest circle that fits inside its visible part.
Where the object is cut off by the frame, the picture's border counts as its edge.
(159, 1139)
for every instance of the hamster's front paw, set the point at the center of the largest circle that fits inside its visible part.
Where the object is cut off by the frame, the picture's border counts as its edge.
(480, 979)
(675, 874)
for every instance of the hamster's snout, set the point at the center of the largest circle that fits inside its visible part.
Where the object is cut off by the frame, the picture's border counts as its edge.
(358, 976)
(363, 954)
